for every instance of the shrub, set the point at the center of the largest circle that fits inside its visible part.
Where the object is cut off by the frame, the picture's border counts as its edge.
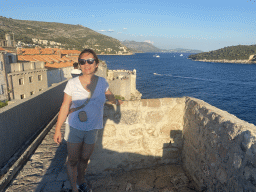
(2, 104)
(119, 97)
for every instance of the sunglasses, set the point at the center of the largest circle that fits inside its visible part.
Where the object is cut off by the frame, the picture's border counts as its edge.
(83, 61)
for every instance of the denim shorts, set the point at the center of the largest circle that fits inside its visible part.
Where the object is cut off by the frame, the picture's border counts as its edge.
(73, 135)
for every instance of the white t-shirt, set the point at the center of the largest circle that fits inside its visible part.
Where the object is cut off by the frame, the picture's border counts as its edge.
(94, 109)
(76, 71)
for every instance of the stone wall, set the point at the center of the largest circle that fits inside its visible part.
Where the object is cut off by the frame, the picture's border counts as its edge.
(138, 134)
(6, 58)
(20, 121)
(123, 83)
(219, 149)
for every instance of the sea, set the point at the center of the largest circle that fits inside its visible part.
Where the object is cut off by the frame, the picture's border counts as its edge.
(228, 86)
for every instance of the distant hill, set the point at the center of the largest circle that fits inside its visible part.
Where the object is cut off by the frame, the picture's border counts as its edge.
(239, 52)
(179, 50)
(141, 47)
(70, 36)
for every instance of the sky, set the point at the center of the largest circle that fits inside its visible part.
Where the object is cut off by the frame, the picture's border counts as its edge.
(204, 25)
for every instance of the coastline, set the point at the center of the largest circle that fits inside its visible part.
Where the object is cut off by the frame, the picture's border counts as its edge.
(118, 54)
(229, 61)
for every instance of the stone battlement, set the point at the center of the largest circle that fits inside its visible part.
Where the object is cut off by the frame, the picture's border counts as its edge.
(123, 83)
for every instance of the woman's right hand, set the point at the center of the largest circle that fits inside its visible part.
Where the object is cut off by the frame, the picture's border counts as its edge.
(57, 137)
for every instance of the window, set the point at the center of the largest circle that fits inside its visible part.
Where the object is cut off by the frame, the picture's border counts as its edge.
(30, 79)
(1, 89)
(39, 77)
(22, 96)
(10, 58)
(1, 66)
(32, 93)
(21, 81)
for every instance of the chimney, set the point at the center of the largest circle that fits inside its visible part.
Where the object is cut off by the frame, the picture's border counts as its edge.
(8, 39)
(59, 53)
(19, 51)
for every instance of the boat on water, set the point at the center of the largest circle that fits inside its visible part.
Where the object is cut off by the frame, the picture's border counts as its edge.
(156, 55)
(181, 55)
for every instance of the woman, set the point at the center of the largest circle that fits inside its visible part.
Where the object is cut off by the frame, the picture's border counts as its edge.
(81, 136)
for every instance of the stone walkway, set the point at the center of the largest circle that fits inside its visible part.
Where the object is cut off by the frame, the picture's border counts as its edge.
(46, 172)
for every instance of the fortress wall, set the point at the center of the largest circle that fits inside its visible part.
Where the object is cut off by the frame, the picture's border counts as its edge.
(140, 133)
(58, 75)
(121, 87)
(123, 83)
(219, 149)
(21, 120)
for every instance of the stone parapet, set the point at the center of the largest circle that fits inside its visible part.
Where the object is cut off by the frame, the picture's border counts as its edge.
(140, 134)
(219, 149)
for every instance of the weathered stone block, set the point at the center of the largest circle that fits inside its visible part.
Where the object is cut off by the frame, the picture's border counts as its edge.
(237, 160)
(222, 175)
(168, 101)
(154, 103)
(176, 114)
(109, 131)
(171, 153)
(151, 131)
(136, 132)
(130, 117)
(222, 151)
(153, 117)
(144, 103)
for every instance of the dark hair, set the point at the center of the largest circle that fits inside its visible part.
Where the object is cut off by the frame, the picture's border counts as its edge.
(75, 65)
(92, 52)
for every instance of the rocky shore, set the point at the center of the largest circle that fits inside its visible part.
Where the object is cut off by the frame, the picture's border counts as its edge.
(229, 61)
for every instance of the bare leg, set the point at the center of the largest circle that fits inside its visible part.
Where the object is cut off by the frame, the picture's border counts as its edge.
(74, 153)
(87, 150)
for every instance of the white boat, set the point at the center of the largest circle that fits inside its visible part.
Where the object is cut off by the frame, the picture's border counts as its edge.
(181, 55)
(156, 56)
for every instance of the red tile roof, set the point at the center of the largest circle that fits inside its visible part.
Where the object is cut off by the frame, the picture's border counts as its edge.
(53, 57)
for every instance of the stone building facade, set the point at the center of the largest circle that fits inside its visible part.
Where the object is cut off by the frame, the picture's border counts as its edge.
(7, 42)
(26, 79)
(6, 59)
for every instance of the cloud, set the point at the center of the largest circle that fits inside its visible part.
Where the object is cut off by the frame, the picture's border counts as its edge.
(103, 30)
(148, 41)
(124, 28)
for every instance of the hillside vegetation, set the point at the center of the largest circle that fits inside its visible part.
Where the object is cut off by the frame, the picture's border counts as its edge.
(240, 52)
(141, 47)
(70, 36)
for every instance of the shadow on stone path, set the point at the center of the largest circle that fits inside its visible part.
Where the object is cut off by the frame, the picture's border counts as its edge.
(46, 172)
